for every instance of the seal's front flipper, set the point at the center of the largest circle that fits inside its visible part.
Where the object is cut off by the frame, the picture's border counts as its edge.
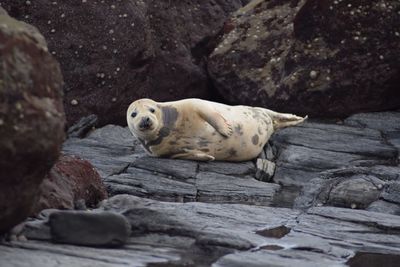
(193, 155)
(216, 120)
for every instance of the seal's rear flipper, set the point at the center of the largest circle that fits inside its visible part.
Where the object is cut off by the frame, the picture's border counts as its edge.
(282, 120)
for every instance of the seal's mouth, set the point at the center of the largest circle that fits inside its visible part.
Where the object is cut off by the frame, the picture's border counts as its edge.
(145, 124)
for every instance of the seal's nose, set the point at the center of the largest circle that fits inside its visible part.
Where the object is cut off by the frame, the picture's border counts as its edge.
(145, 123)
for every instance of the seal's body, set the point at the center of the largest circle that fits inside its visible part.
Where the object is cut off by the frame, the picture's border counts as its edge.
(203, 130)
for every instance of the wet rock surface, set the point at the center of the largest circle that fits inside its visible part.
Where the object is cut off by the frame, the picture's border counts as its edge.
(113, 52)
(186, 213)
(321, 58)
(31, 117)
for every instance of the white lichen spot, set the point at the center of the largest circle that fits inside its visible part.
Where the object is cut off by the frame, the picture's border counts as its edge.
(1, 122)
(74, 102)
(381, 57)
(313, 74)
(49, 22)
(112, 6)
(53, 30)
(114, 99)
(353, 205)
(328, 78)
(380, 186)
(18, 106)
(111, 31)
(104, 47)
(47, 114)
(84, 1)
(62, 15)
(28, 3)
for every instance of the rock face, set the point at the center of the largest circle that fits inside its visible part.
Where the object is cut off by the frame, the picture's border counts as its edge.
(69, 182)
(321, 58)
(31, 117)
(185, 213)
(113, 52)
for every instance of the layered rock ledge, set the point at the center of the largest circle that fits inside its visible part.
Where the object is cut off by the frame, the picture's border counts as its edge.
(342, 178)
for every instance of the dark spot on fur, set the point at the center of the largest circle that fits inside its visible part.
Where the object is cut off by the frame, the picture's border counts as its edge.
(260, 132)
(173, 143)
(169, 116)
(239, 129)
(203, 142)
(164, 132)
(205, 150)
(232, 152)
(254, 139)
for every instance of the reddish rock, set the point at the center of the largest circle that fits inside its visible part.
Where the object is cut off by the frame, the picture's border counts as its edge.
(31, 117)
(70, 180)
(315, 57)
(113, 52)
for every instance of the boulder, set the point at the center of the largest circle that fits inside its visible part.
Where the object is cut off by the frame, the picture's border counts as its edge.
(113, 52)
(70, 181)
(31, 117)
(317, 57)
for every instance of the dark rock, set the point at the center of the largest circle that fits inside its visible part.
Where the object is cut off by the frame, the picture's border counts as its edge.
(31, 117)
(83, 126)
(70, 181)
(89, 228)
(112, 53)
(319, 58)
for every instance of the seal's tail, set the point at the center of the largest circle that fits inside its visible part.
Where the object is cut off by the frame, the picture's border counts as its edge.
(282, 120)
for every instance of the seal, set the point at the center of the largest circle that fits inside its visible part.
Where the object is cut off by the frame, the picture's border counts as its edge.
(202, 130)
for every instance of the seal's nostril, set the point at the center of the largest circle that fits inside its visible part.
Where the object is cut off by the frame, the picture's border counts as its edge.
(147, 119)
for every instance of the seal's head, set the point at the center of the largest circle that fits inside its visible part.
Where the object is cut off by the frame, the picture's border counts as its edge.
(144, 117)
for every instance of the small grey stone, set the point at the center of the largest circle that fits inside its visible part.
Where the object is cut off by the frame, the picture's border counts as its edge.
(89, 228)
(265, 170)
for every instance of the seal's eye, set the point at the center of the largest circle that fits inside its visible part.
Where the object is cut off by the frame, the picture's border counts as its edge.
(152, 110)
(133, 114)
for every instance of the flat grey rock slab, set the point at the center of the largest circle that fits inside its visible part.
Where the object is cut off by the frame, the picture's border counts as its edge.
(209, 234)
(110, 149)
(126, 169)
(308, 149)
